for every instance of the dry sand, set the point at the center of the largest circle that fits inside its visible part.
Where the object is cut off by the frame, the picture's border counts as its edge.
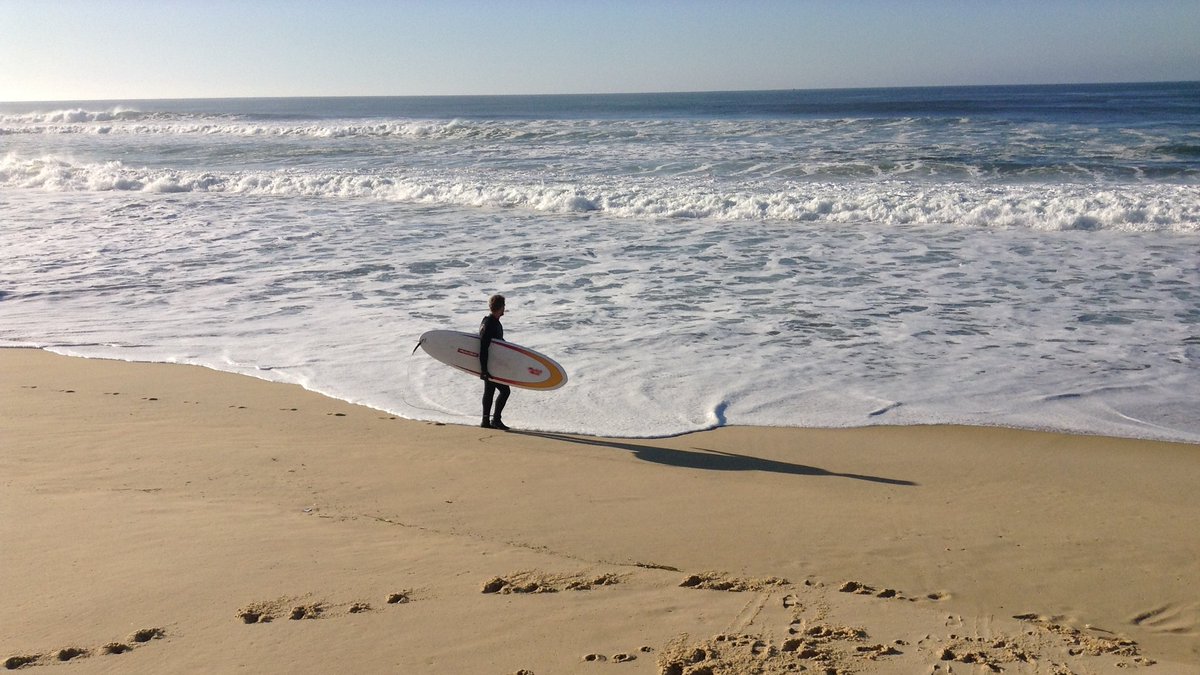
(160, 518)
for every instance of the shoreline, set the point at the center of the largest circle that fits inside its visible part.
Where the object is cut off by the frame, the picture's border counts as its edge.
(179, 498)
(1167, 436)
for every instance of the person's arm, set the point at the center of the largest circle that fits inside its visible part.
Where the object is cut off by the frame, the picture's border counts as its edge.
(486, 334)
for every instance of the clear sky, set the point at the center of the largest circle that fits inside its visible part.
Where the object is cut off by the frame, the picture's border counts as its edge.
(128, 49)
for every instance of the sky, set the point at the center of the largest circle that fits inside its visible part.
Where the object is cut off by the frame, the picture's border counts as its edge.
(62, 50)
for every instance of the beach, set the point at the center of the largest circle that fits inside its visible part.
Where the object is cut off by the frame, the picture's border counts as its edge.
(171, 518)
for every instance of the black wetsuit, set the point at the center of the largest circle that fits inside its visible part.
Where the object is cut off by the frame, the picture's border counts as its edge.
(491, 329)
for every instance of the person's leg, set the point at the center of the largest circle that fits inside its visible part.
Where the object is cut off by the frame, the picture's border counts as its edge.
(489, 392)
(497, 419)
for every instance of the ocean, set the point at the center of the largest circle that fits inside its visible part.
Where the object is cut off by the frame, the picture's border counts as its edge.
(1011, 256)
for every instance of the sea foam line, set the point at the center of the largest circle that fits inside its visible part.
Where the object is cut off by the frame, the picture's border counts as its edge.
(1137, 208)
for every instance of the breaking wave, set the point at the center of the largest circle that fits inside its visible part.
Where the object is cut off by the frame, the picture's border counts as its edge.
(1129, 208)
(39, 122)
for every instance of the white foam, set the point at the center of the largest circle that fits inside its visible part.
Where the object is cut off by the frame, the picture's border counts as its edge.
(664, 325)
(1131, 208)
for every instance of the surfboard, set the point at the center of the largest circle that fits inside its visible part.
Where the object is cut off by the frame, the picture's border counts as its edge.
(508, 363)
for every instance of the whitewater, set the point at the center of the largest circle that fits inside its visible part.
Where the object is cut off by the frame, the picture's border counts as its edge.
(1002, 256)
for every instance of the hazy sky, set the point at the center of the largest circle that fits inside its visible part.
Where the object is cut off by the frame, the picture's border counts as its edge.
(126, 49)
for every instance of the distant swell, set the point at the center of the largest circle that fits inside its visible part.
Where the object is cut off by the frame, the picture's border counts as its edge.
(1134, 208)
(131, 122)
(40, 122)
(939, 149)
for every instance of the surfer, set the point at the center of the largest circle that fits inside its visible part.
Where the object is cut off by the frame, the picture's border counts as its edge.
(490, 329)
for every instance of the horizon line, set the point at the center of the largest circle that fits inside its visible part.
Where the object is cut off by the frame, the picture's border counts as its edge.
(611, 93)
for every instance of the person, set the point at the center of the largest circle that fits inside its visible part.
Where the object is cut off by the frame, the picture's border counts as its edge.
(491, 329)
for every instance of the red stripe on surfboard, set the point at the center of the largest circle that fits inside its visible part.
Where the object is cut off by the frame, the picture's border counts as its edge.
(519, 383)
(557, 377)
(516, 383)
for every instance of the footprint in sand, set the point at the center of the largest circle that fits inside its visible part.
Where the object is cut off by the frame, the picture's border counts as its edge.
(258, 612)
(313, 611)
(115, 648)
(148, 634)
(69, 653)
(15, 662)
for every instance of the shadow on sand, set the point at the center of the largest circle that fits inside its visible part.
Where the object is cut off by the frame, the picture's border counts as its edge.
(711, 460)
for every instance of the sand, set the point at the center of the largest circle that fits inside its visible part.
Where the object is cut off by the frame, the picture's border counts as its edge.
(163, 518)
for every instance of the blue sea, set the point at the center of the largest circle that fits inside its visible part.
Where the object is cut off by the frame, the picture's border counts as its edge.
(1013, 256)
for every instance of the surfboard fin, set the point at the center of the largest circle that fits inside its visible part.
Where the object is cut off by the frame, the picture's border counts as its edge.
(419, 343)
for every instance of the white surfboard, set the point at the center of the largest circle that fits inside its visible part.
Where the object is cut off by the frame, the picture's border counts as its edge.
(508, 363)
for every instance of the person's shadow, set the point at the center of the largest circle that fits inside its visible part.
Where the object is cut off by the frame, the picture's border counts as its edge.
(712, 460)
